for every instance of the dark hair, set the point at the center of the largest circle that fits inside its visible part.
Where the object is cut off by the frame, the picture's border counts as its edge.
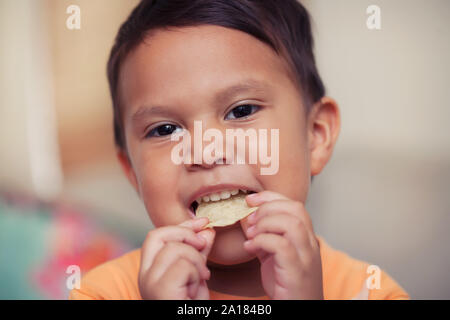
(282, 24)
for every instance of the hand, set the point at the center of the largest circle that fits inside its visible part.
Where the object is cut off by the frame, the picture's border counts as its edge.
(282, 237)
(173, 262)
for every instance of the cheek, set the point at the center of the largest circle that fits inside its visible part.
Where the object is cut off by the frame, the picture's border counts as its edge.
(292, 178)
(158, 176)
(294, 166)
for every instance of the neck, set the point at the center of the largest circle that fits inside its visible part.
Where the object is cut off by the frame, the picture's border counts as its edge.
(241, 280)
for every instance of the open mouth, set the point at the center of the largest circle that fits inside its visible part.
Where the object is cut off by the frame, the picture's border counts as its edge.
(218, 196)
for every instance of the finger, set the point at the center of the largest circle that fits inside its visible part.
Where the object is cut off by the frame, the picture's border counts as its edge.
(294, 208)
(286, 225)
(180, 276)
(156, 239)
(192, 289)
(195, 224)
(284, 253)
(208, 235)
(255, 199)
(202, 291)
(174, 251)
(245, 224)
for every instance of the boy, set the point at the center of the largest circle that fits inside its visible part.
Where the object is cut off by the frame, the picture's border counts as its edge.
(228, 64)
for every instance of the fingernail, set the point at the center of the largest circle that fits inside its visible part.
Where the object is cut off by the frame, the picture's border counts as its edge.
(250, 230)
(252, 217)
(247, 243)
(252, 196)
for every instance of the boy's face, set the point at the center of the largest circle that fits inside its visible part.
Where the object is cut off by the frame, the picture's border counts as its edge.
(182, 72)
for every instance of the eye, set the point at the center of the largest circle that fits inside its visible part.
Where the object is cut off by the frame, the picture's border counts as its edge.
(163, 130)
(242, 111)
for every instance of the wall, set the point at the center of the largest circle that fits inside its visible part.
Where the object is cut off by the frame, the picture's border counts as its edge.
(383, 197)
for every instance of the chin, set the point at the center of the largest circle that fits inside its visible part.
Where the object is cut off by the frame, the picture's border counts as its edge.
(228, 248)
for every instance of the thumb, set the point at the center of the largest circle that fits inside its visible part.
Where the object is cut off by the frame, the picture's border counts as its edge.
(209, 235)
(202, 292)
(245, 225)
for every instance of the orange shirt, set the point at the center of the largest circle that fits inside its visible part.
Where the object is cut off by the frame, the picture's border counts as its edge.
(343, 278)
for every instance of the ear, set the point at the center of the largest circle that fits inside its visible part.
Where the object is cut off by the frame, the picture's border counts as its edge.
(324, 124)
(127, 168)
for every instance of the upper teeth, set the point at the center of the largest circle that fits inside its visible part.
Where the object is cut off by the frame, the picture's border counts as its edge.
(216, 196)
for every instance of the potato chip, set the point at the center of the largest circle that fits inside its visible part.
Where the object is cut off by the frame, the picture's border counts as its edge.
(225, 212)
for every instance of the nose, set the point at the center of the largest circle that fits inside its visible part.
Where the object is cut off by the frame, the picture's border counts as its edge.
(209, 163)
(209, 154)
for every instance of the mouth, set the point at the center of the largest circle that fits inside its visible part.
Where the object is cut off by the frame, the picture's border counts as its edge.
(217, 196)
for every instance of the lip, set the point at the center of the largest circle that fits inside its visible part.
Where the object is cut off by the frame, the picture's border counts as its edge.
(217, 188)
(191, 212)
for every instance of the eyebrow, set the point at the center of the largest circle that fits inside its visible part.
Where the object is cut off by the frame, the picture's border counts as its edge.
(146, 111)
(220, 97)
(244, 86)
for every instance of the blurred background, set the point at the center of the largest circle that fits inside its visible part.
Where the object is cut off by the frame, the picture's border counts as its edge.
(383, 198)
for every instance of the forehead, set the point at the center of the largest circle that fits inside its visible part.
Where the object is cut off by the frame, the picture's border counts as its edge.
(185, 62)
